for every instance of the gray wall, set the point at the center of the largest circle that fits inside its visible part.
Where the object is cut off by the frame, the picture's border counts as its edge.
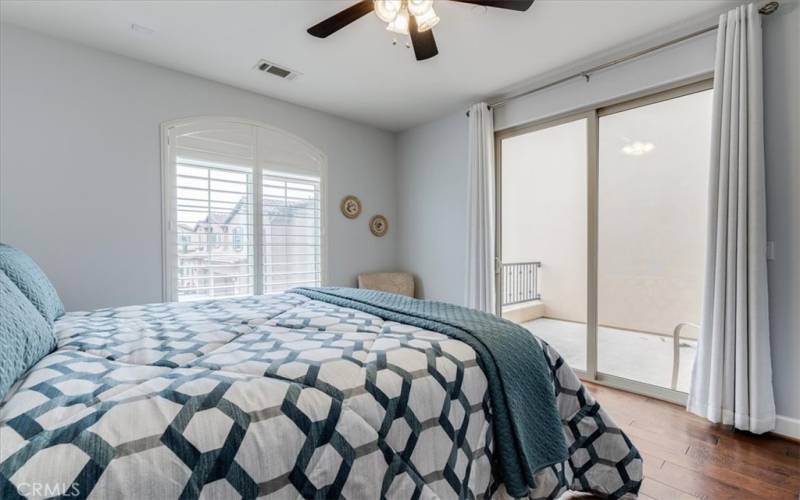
(80, 166)
(433, 235)
(782, 144)
(432, 206)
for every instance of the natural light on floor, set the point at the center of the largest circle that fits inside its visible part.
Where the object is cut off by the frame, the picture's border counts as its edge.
(633, 355)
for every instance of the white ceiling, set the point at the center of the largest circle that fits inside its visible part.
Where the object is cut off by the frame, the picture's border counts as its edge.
(357, 73)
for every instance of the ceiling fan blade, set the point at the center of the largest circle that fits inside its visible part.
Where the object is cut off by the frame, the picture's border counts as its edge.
(422, 41)
(338, 21)
(520, 5)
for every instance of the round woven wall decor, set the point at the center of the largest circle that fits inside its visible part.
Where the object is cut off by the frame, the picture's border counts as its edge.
(378, 225)
(350, 206)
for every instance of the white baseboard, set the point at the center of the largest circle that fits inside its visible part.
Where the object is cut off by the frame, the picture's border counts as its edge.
(787, 426)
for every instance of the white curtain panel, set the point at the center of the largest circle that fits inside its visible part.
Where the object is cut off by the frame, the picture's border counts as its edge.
(480, 293)
(732, 377)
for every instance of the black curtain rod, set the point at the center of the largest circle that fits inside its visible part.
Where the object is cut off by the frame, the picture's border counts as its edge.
(765, 10)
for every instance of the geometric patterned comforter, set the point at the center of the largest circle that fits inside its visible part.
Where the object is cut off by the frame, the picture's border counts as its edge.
(280, 396)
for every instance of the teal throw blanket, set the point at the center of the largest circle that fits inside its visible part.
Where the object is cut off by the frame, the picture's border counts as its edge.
(527, 429)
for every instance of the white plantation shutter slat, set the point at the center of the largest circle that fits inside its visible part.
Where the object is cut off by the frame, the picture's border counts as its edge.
(213, 265)
(215, 255)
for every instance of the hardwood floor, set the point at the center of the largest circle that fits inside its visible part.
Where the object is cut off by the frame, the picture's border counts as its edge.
(686, 457)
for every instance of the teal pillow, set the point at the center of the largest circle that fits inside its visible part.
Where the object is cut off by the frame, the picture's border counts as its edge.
(25, 336)
(31, 281)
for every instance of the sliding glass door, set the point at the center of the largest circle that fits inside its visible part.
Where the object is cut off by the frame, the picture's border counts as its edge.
(543, 245)
(601, 236)
(653, 169)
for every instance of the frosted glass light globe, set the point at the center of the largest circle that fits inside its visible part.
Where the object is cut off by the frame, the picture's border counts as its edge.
(387, 10)
(419, 7)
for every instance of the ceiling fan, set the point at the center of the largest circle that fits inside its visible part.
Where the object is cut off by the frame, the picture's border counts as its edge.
(415, 18)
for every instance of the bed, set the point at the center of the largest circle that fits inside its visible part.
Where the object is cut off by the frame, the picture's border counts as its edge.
(283, 396)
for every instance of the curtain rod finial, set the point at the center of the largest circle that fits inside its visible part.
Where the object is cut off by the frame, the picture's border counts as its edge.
(769, 8)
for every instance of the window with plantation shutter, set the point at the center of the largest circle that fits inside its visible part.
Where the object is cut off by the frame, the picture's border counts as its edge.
(213, 209)
(242, 210)
(291, 220)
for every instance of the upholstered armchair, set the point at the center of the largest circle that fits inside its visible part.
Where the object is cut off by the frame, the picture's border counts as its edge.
(400, 283)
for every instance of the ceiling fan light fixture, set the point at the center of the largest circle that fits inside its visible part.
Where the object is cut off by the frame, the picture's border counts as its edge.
(388, 10)
(400, 23)
(419, 7)
(427, 20)
(413, 18)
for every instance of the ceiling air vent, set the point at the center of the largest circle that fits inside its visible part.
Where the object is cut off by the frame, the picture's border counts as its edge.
(273, 69)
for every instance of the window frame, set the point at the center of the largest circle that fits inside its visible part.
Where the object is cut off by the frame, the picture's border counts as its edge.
(169, 241)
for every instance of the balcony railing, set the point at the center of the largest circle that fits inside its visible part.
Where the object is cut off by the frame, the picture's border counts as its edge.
(520, 282)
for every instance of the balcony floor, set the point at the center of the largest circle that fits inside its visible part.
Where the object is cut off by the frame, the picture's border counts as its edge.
(634, 355)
